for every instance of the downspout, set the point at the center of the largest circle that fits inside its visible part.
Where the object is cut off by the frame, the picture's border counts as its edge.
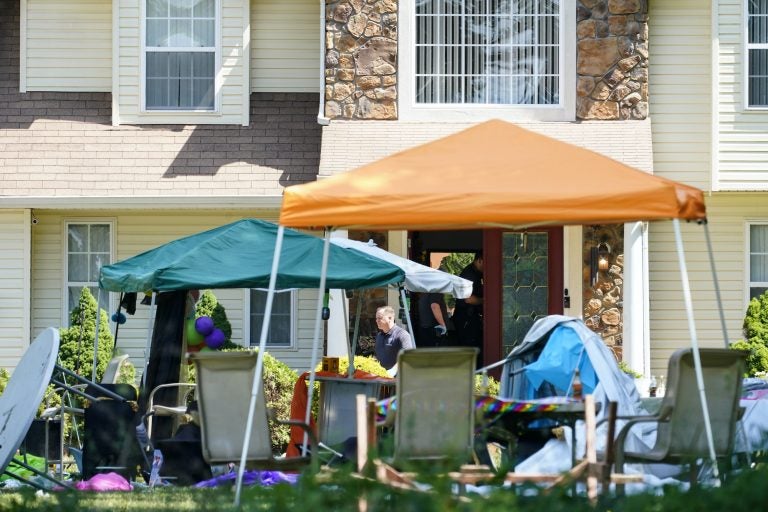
(321, 119)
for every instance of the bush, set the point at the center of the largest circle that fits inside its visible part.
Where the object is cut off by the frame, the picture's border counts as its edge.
(756, 334)
(208, 305)
(279, 380)
(367, 364)
(76, 346)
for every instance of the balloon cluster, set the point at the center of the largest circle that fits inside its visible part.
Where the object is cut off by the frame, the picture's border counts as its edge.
(203, 335)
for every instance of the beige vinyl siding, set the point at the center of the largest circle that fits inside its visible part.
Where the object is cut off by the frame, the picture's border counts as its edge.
(69, 45)
(680, 90)
(14, 286)
(230, 81)
(285, 46)
(728, 214)
(743, 134)
(138, 231)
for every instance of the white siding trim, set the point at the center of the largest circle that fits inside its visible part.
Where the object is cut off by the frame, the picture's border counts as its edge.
(245, 63)
(27, 291)
(23, 46)
(714, 180)
(15, 276)
(115, 62)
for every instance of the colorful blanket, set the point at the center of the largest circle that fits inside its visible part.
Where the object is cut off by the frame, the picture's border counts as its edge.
(489, 408)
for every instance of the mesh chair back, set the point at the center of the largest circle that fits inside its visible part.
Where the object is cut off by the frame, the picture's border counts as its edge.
(684, 435)
(435, 404)
(112, 372)
(224, 383)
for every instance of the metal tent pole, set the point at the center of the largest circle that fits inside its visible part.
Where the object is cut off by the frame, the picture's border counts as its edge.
(96, 339)
(356, 334)
(150, 332)
(316, 340)
(717, 285)
(407, 316)
(259, 362)
(695, 345)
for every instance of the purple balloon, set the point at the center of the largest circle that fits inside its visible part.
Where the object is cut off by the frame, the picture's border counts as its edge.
(216, 339)
(204, 325)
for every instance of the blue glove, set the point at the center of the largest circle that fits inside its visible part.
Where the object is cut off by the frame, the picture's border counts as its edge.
(440, 330)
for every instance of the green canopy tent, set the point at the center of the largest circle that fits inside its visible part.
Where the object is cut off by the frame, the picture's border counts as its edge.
(241, 255)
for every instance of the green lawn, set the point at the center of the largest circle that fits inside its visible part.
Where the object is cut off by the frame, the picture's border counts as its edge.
(341, 493)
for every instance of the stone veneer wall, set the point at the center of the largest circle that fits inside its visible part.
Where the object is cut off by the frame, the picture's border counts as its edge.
(612, 59)
(603, 298)
(361, 59)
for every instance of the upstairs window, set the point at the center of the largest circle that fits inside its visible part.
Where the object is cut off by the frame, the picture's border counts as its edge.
(180, 55)
(488, 52)
(757, 53)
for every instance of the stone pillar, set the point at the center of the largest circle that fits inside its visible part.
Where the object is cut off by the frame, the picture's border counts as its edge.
(612, 59)
(361, 59)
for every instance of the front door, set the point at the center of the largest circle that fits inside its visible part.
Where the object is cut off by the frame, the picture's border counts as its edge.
(523, 282)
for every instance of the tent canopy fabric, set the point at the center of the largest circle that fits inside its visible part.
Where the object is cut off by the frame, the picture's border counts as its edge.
(239, 255)
(494, 174)
(418, 277)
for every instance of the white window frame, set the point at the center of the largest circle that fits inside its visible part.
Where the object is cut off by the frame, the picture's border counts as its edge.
(252, 339)
(746, 46)
(748, 283)
(217, 80)
(409, 110)
(65, 258)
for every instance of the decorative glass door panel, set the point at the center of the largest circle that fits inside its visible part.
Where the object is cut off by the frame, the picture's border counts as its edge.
(525, 284)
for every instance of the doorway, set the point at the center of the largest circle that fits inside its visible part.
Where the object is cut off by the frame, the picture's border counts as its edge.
(523, 277)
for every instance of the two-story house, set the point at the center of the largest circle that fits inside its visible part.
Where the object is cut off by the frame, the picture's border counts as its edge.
(709, 105)
(128, 123)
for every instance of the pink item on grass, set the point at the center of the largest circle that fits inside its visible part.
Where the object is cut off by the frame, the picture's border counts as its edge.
(105, 482)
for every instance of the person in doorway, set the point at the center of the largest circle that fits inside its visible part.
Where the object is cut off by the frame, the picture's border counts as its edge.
(433, 317)
(468, 315)
(390, 339)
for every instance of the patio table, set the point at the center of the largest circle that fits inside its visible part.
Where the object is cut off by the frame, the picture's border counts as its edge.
(511, 415)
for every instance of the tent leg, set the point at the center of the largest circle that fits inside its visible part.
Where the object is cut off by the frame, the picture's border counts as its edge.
(350, 349)
(259, 361)
(316, 339)
(717, 285)
(96, 339)
(695, 345)
(150, 332)
(356, 334)
(407, 316)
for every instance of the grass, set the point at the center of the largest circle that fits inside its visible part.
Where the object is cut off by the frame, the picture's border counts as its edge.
(341, 491)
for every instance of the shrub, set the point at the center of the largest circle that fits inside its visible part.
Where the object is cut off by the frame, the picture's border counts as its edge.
(76, 346)
(756, 334)
(367, 364)
(279, 380)
(208, 305)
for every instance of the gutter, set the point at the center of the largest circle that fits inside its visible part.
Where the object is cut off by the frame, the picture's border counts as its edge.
(321, 119)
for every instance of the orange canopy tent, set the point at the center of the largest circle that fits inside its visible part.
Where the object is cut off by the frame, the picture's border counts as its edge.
(494, 174)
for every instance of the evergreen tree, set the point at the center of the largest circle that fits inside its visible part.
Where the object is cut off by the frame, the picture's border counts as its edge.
(76, 345)
(756, 334)
(208, 305)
